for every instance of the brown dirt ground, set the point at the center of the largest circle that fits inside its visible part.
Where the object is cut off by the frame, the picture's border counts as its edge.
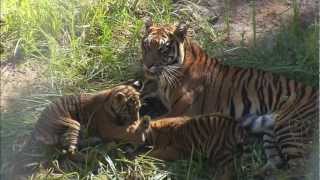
(18, 83)
(270, 14)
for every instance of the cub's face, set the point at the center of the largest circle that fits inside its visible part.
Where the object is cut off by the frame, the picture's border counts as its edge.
(163, 51)
(125, 104)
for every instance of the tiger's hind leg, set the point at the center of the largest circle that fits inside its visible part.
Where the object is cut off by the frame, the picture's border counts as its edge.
(70, 138)
(72, 143)
(295, 128)
(295, 143)
(274, 159)
(293, 151)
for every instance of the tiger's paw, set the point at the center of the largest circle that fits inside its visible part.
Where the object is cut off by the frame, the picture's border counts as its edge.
(77, 157)
(70, 151)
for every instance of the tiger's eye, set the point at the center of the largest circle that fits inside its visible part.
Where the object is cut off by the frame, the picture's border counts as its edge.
(165, 48)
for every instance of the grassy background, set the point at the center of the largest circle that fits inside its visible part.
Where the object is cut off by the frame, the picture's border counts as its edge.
(88, 45)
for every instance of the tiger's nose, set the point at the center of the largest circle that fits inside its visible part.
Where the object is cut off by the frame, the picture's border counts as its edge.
(151, 69)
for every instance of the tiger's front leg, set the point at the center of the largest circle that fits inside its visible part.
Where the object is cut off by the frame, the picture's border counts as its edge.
(70, 140)
(114, 132)
(274, 160)
(181, 106)
(74, 143)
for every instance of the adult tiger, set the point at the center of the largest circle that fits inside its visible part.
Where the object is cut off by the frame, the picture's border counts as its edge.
(106, 114)
(191, 83)
(216, 136)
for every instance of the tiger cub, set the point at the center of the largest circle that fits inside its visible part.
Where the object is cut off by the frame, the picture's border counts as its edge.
(106, 114)
(215, 135)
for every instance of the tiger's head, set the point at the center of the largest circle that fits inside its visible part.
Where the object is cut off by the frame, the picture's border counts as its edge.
(163, 51)
(125, 104)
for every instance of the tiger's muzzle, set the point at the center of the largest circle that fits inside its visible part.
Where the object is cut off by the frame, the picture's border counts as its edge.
(152, 71)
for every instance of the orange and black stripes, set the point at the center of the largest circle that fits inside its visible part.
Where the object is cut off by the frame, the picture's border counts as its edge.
(205, 85)
(60, 123)
(214, 135)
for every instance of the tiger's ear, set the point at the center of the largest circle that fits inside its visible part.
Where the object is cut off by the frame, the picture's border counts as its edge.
(181, 30)
(148, 23)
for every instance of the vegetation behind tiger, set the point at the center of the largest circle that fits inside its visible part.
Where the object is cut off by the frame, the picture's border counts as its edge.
(84, 46)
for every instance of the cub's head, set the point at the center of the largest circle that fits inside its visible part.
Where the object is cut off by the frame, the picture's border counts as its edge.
(125, 104)
(163, 51)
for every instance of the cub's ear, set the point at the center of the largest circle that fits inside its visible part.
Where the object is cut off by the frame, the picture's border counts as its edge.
(120, 96)
(118, 100)
(148, 23)
(181, 30)
(137, 85)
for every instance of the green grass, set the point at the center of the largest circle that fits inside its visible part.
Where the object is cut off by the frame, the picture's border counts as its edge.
(88, 45)
(293, 53)
(80, 41)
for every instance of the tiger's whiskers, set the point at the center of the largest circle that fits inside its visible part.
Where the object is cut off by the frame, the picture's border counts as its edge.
(171, 75)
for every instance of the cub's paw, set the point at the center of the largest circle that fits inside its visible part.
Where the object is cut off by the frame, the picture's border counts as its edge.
(140, 126)
(138, 130)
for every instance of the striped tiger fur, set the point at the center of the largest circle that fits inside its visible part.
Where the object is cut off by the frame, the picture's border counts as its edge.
(106, 115)
(274, 127)
(100, 113)
(191, 83)
(151, 101)
(216, 136)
